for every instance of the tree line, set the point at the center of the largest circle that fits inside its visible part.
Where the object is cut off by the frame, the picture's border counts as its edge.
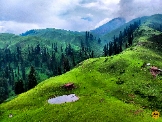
(122, 41)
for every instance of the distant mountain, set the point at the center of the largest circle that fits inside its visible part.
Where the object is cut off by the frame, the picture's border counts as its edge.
(62, 37)
(44, 37)
(109, 35)
(47, 31)
(153, 21)
(109, 26)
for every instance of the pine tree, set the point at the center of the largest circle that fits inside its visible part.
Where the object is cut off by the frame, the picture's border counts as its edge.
(110, 48)
(55, 47)
(6, 72)
(92, 54)
(82, 45)
(115, 48)
(32, 81)
(99, 41)
(3, 89)
(37, 49)
(105, 50)
(73, 60)
(59, 71)
(86, 39)
(126, 45)
(61, 48)
(23, 71)
(91, 37)
(19, 87)
(66, 65)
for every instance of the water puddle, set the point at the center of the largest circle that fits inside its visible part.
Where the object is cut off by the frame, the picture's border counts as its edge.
(63, 99)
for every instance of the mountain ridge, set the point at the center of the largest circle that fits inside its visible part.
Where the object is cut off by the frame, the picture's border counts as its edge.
(109, 26)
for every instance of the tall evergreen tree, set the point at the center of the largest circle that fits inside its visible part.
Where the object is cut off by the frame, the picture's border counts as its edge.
(92, 54)
(59, 70)
(61, 48)
(110, 48)
(66, 64)
(91, 37)
(105, 50)
(32, 81)
(19, 87)
(3, 89)
(99, 41)
(73, 60)
(86, 39)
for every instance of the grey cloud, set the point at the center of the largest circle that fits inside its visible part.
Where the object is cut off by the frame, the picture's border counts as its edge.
(23, 11)
(70, 14)
(131, 9)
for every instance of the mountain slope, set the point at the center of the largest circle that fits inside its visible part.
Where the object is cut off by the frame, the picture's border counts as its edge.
(43, 37)
(109, 26)
(119, 88)
(153, 21)
(109, 36)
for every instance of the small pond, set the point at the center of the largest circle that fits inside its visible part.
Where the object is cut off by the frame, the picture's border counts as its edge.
(63, 99)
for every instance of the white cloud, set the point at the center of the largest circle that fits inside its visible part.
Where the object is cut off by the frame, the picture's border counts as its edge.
(102, 22)
(1, 29)
(70, 14)
(15, 27)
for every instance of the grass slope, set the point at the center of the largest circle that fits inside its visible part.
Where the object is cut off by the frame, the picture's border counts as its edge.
(111, 89)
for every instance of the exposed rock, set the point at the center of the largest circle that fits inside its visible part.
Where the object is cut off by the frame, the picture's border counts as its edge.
(69, 86)
(155, 71)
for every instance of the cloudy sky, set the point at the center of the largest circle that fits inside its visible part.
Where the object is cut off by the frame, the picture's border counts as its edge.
(17, 16)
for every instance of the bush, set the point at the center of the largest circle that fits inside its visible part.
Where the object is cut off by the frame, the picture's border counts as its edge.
(119, 82)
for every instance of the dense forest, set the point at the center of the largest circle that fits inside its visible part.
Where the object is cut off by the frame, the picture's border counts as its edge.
(22, 70)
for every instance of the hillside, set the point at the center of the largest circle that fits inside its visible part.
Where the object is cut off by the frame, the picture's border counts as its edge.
(117, 88)
(153, 21)
(109, 36)
(109, 26)
(43, 37)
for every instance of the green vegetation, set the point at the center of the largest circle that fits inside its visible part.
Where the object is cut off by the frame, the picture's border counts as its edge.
(41, 50)
(117, 88)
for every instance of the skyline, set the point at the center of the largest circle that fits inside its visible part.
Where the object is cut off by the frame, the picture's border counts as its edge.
(18, 16)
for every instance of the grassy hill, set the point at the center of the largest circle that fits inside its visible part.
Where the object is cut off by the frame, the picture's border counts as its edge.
(119, 88)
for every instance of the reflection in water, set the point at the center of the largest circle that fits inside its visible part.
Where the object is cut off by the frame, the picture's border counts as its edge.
(63, 99)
